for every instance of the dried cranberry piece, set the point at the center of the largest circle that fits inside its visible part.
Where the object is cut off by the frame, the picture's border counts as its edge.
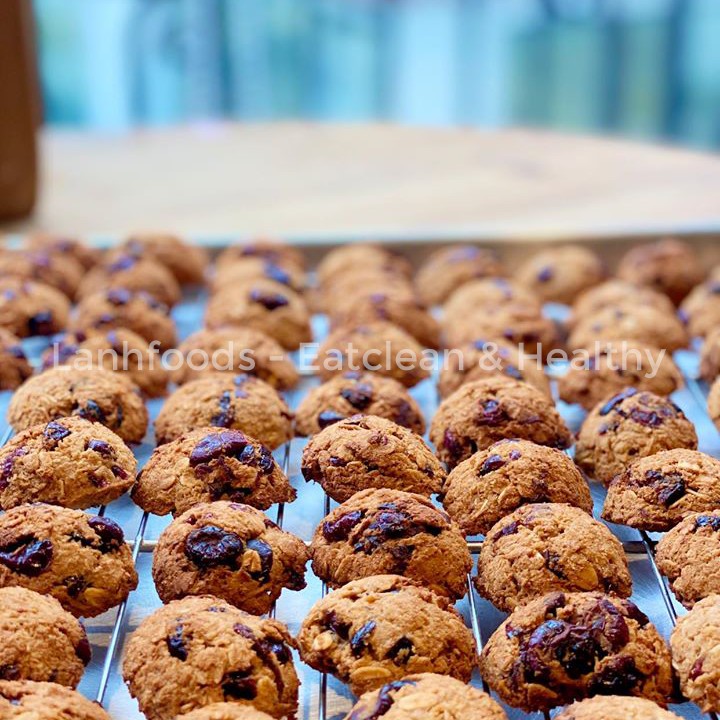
(90, 411)
(391, 523)
(10, 671)
(494, 462)
(401, 651)
(340, 628)
(75, 584)
(176, 644)
(329, 417)
(515, 455)
(226, 415)
(553, 564)
(711, 521)
(571, 645)
(8, 465)
(616, 400)
(276, 273)
(359, 395)
(101, 447)
(383, 703)
(452, 445)
(118, 472)
(648, 418)
(83, 650)
(239, 685)
(545, 274)
(118, 296)
(697, 669)
(53, 433)
(618, 677)
(633, 612)
(27, 555)
(340, 529)
(265, 553)
(124, 262)
(270, 301)
(510, 529)
(210, 545)
(110, 533)
(211, 447)
(491, 413)
(359, 640)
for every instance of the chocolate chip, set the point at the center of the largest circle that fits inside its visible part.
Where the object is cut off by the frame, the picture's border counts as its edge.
(110, 533)
(358, 642)
(265, 553)
(239, 685)
(176, 644)
(53, 433)
(360, 395)
(210, 546)
(27, 555)
(270, 301)
(329, 417)
(494, 462)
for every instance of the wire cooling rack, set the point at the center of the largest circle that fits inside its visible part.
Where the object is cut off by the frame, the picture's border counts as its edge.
(323, 697)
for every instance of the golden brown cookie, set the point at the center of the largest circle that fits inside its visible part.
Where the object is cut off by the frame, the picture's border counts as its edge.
(509, 474)
(27, 700)
(485, 411)
(657, 492)
(381, 532)
(362, 282)
(236, 402)
(382, 628)
(224, 711)
(14, 366)
(568, 646)
(83, 253)
(365, 452)
(700, 310)
(628, 426)
(484, 293)
(210, 464)
(275, 251)
(710, 356)
(615, 707)
(349, 258)
(70, 461)
(713, 404)
(549, 547)
(95, 394)
(81, 560)
(247, 269)
(30, 308)
(356, 392)
(202, 650)
(231, 551)
(61, 272)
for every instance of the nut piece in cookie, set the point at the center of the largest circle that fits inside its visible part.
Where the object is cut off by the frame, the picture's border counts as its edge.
(629, 426)
(14, 366)
(382, 628)
(231, 551)
(20, 699)
(28, 309)
(70, 461)
(365, 452)
(379, 532)
(495, 408)
(615, 707)
(202, 650)
(568, 646)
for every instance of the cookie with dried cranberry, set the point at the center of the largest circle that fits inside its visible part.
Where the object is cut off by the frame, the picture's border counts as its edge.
(560, 274)
(23, 699)
(379, 347)
(382, 628)
(202, 650)
(484, 358)
(231, 551)
(482, 412)
(264, 305)
(627, 427)
(95, 394)
(567, 646)
(234, 350)
(120, 350)
(509, 474)
(61, 272)
(83, 253)
(81, 560)
(669, 266)
(486, 292)
(69, 461)
(700, 310)
(549, 547)
(346, 260)
(120, 308)
(615, 365)
(615, 707)
(445, 270)
(657, 492)
(274, 251)
(426, 695)
(366, 452)
(380, 532)
(29, 308)
(244, 270)
(689, 557)
(39, 640)
(14, 366)
(710, 356)
(234, 402)
(351, 393)
(224, 711)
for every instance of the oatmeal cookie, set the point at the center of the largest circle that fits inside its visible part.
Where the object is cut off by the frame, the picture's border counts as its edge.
(231, 551)
(559, 274)
(248, 269)
(70, 461)
(657, 492)
(14, 366)
(347, 259)
(224, 711)
(236, 402)
(567, 646)
(29, 308)
(627, 427)
(689, 556)
(549, 547)
(263, 305)
(61, 272)
(361, 283)
(713, 403)
(381, 532)
(509, 474)
(700, 310)
(274, 251)
(39, 640)
(615, 707)
(379, 347)
(710, 356)
(202, 650)
(366, 452)
(95, 394)
(485, 411)
(83, 253)
(81, 560)
(354, 392)
(28, 700)
(484, 293)
(382, 628)
(426, 695)
(668, 265)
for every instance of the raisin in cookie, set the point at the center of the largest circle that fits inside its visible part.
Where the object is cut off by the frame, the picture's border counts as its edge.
(546, 547)
(510, 473)
(86, 255)
(231, 551)
(237, 402)
(615, 707)
(202, 650)
(657, 492)
(629, 426)
(700, 310)
(14, 366)
(485, 411)
(568, 646)
(210, 464)
(29, 308)
(39, 640)
(95, 394)
(382, 628)
(426, 695)
(61, 272)
(28, 700)
(689, 556)
(356, 392)
(485, 293)
(365, 452)
(275, 251)
(379, 532)
(224, 711)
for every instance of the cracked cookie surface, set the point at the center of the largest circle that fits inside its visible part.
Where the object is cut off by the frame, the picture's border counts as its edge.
(28, 700)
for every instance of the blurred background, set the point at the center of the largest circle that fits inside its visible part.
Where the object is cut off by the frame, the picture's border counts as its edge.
(641, 68)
